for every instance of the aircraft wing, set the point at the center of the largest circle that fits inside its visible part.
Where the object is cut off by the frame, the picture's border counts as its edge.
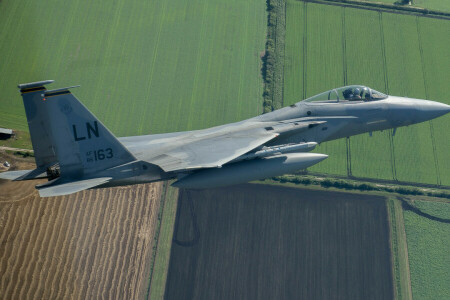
(210, 150)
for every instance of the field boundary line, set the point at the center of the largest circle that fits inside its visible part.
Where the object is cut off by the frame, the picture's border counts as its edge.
(393, 239)
(344, 48)
(380, 181)
(403, 232)
(400, 259)
(305, 48)
(284, 54)
(384, 8)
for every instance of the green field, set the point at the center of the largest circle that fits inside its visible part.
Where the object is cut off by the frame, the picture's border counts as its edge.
(143, 66)
(329, 46)
(428, 246)
(270, 242)
(441, 5)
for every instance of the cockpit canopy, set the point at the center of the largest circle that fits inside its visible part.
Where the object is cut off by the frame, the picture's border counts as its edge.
(348, 94)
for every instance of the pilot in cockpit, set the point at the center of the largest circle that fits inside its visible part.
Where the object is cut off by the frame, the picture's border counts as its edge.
(353, 94)
(356, 94)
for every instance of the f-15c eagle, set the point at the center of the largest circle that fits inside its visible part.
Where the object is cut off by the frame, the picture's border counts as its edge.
(75, 151)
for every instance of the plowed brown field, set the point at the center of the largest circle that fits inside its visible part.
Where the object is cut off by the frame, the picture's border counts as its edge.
(93, 244)
(269, 242)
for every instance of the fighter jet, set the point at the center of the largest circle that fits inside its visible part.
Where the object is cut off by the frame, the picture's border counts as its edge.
(75, 151)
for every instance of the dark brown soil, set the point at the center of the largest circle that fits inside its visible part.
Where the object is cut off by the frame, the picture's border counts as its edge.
(268, 242)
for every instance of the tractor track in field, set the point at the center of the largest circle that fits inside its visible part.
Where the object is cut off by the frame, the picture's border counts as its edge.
(305, 48)
(433, 140)
(386, 82)
(344, 48)
(193, 216)
(349, 157)
(392, 147)
(383, 51)
(435, 157)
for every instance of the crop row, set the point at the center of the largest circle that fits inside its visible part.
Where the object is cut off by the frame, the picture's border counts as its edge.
(88, 245)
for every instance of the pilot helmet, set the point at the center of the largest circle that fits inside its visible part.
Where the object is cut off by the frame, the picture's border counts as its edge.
(357, 91)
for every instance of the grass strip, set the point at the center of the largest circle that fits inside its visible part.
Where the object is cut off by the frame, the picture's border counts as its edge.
(21, 140)
(164, 243)
(399, 249)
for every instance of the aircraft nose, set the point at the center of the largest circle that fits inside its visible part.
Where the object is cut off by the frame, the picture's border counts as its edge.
(429, 109)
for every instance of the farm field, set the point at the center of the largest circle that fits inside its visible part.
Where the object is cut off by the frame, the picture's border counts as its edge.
(433, 4)
(144, 67)
(330, 46)
(94, 244)
(428, 244)
(259, 241)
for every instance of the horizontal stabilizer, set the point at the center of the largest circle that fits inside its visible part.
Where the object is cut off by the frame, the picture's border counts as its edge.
(34, 174)
(13, 175)
(55, 189)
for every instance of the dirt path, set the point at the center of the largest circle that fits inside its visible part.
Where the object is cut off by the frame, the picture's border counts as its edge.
(15, 149)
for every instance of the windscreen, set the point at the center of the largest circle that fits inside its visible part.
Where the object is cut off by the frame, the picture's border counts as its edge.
(347, 94)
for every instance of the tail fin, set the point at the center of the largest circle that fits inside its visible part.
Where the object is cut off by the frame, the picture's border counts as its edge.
(37, 117)
(63, 130)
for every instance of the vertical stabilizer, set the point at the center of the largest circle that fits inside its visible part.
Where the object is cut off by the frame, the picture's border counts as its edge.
(38, 123)
(65, 133)
(83, 144)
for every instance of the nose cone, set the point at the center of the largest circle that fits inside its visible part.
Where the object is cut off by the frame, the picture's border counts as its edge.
(429, 109)
(406, 111)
